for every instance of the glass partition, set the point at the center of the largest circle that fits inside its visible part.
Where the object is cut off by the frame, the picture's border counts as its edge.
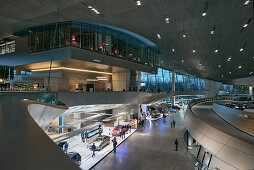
(162, 82)
(93, 37)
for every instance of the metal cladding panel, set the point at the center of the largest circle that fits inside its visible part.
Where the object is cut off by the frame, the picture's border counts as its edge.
(24, 144)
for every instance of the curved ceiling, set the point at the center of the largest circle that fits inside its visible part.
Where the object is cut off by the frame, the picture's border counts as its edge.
(148, 20)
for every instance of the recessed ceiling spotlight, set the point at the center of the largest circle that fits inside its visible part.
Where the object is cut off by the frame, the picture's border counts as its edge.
(204, 14)
(241, 49)
(216, 50)
(159, 36)
(229, 72)
(229, 59)
(246, 2)
(182, 61)
(239, 66)
(200, 64)
(219, 65)
(222, 75)
(162, 61)
(138, 3)
(193, 50)
(173, 49)
(184, 35)
(251, 72)
(244, 45)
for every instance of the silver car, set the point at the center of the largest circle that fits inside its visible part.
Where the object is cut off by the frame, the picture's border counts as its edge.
(100, 142)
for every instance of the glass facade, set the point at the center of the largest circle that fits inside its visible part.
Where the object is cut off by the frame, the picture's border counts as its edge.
(162, 82)
(92, 37)
(7, 47)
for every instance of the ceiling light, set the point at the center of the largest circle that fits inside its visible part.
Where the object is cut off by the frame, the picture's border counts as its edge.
(91, 80)
(200, 64)
(90, 7)
(159, 36)
(167, 20)
(138, 3)
(94, 10)
(222, 75)
(101, 77)
(229, 58)
(161, 61)
(213, 30)
(244, 45)
(251, 72)
(219, 65)
(184, 35)
(174, 50)
(205, 9)
(229, 72)
(239, 66)
(241, 49)
(193, 50)
(182, 61)
(71, 69)
(247, 23)
(246, 2)
(216, 50)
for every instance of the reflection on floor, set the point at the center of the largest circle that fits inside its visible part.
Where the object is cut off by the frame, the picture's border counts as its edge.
(76, 145)
(152, 148)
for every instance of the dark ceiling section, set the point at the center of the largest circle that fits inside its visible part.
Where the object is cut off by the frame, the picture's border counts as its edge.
(225, 17)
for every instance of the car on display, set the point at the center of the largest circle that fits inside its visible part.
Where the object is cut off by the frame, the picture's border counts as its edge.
(100, 142)
(75, 156)
(117, 130)
(155, 115)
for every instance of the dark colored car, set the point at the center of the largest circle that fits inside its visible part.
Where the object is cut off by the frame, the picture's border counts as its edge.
(75, 156)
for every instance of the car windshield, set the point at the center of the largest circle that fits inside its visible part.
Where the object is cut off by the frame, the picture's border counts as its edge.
(118, 128)
(99, 139)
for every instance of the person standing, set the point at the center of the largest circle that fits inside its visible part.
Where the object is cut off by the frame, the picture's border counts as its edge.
(123, 133)
(86, 136)
(171, 123)
(93, 149)
(114, 145)
(174, 123)
(66, 147)
(176, 143)
(82, 136)
(130, 128)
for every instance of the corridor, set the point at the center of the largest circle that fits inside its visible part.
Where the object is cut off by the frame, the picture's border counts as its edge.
(152, 148)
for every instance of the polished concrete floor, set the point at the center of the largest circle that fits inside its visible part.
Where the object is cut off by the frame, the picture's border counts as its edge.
(152, 148)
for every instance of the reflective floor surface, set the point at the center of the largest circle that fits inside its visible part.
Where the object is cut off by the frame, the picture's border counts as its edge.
(152, 148)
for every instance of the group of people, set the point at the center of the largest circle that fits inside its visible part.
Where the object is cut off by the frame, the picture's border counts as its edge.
(64, 146)
(173, 124)
(141, 123)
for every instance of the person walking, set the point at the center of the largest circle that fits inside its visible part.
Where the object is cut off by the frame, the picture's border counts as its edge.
(86, 136)
(171, 124)
(82, 136)
(130, 128)
(123, 133)
(174, 123)
(176, 143)
(66, 147)
(114, 145)
(93, 149)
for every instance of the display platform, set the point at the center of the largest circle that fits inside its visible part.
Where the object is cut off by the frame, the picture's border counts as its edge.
(150, 118)
(87, 162)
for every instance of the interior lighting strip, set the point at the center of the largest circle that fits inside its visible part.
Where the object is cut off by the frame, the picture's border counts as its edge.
(71, 69)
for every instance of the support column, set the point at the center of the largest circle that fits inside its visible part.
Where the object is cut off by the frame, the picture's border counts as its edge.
(173, 87)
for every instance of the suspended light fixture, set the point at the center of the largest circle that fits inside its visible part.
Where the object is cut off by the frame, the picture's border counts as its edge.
(246, 24)
(138, 3)
(167, 20)
(244, 45)
(246, 2)
(173, 49)
(213, 30)
(217, 49)
(205, 8)
(159, 36)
